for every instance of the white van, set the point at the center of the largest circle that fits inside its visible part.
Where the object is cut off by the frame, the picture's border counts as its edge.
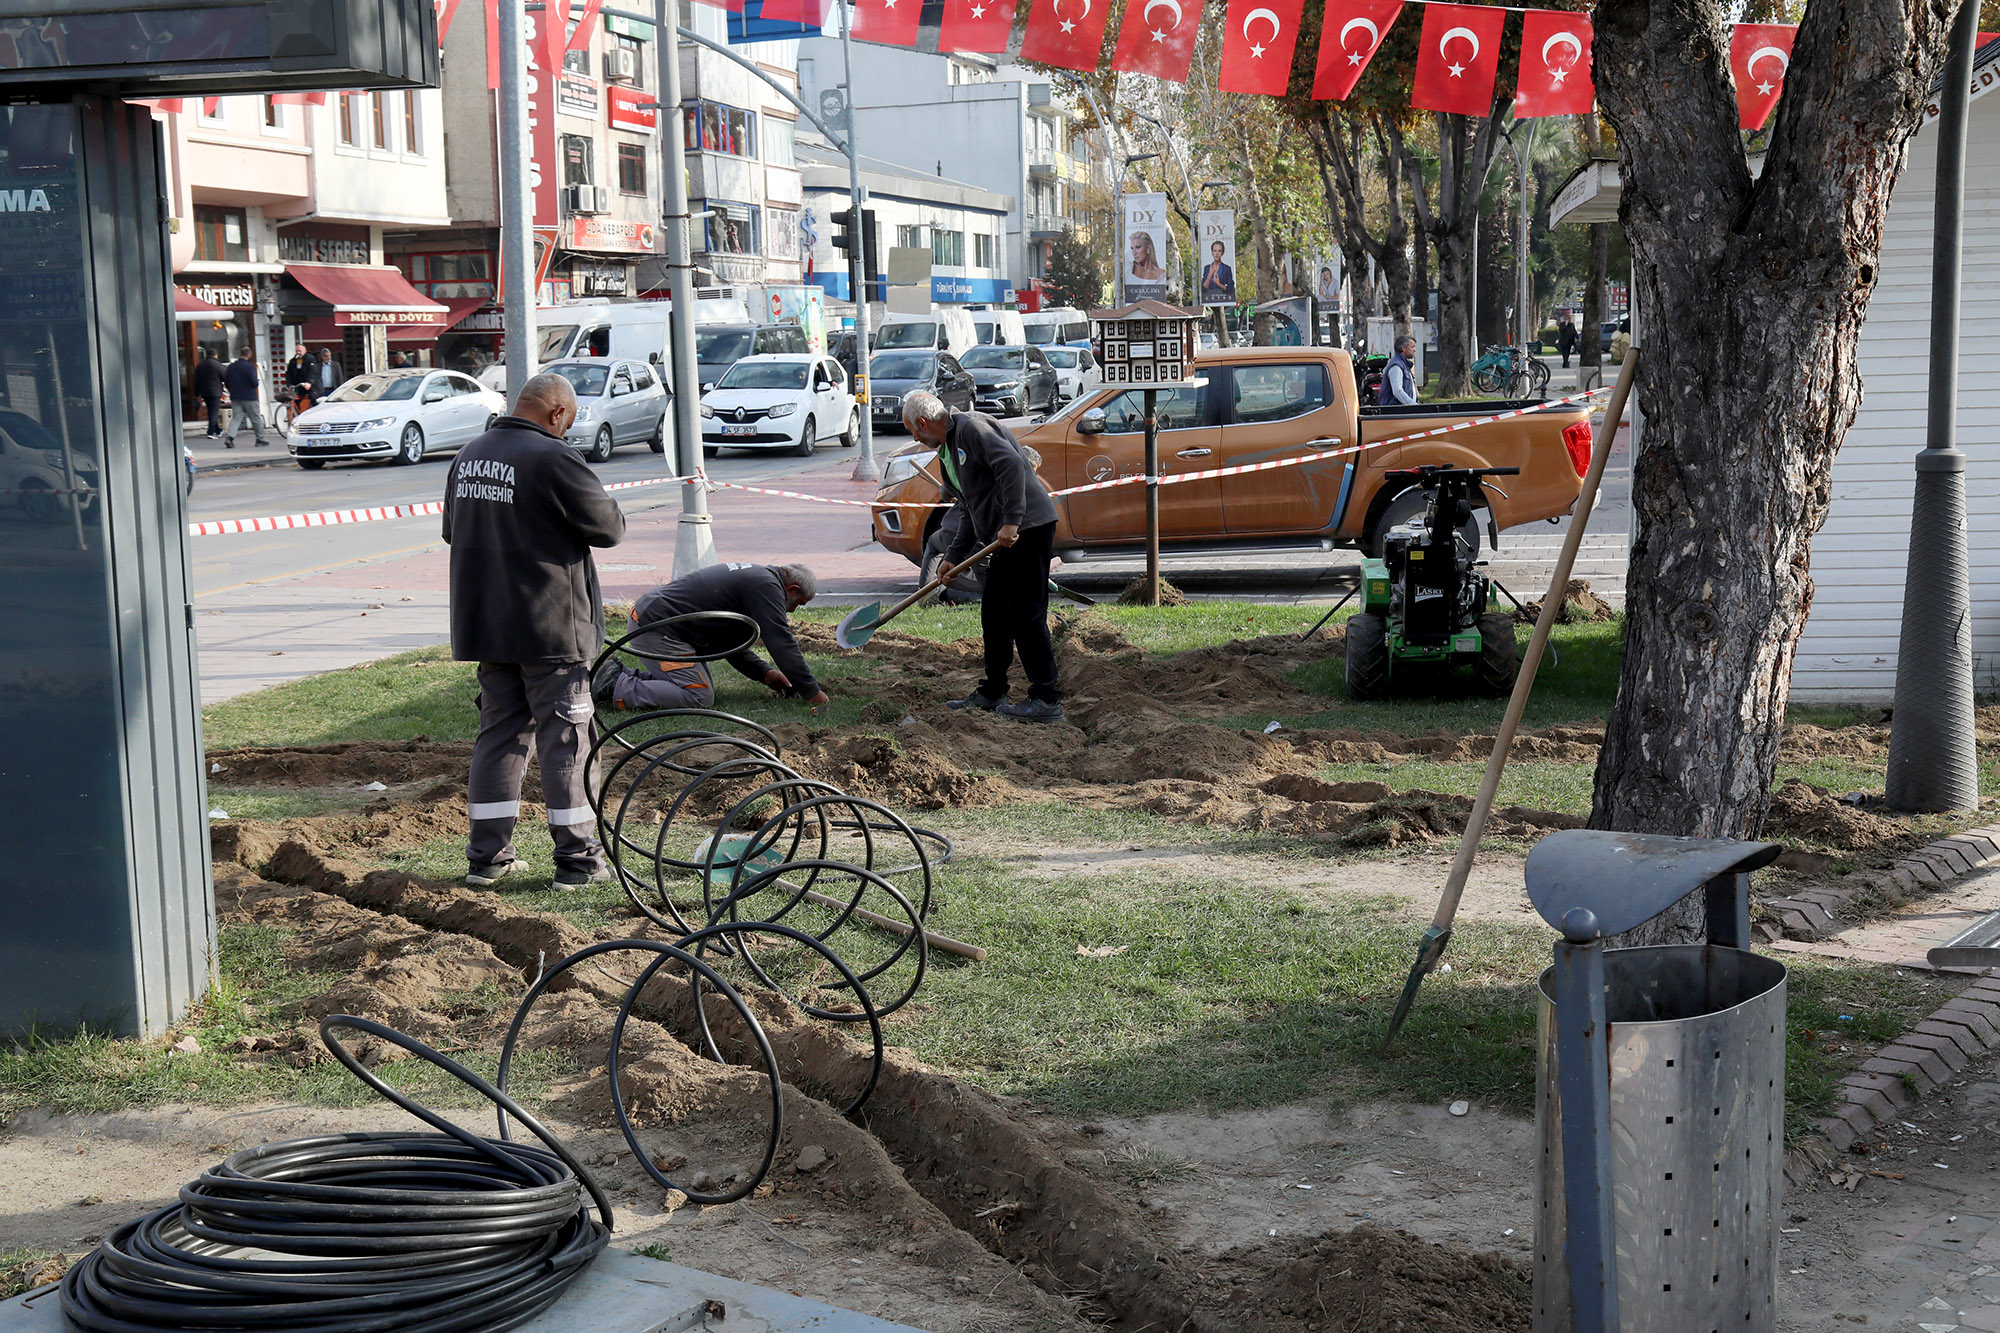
(636, 330)
(1000, 328)
(945, 330)
(1064, 326)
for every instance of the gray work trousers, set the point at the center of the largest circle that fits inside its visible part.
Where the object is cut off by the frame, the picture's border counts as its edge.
(550, 702)
(249, 413)
(665, 685)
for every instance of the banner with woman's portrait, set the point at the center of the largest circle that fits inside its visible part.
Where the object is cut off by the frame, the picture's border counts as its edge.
(1147, 258)
(1215, 235)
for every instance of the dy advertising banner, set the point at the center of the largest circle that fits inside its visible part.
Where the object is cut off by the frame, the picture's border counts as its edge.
(1148, 253)
(1215, 229)
(1326, 281)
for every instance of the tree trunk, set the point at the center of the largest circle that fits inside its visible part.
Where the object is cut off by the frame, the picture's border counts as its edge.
(1396, 234)
(1590, 350)
(1465, 152)
(1760, 289)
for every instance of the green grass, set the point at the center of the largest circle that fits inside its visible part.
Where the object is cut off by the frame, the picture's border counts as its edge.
(24, 1270)
(1830, 1006)
(411, 694)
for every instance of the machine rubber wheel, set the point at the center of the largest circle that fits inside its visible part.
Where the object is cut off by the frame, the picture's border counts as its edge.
(710, 450)
(808, 438)
(1367, 657)
(600, 448)
(311, 464)
(412, 448)
(658, 442)
(1499, 656)
(1411, 505)
(39, 502)
(852, 435)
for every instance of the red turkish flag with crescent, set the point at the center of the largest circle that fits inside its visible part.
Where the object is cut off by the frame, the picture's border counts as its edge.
(1458, 59)
(893, 22)
(1158, 38)
(1258, 38)
(976, 25)
(1065, 33)
(1759, 55)
(810, 12)
(1555, 65)
(1348, 38)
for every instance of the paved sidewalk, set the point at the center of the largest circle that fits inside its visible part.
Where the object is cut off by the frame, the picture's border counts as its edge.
(210, 454)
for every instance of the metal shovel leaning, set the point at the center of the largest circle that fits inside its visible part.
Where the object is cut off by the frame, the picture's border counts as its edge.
(859, 625)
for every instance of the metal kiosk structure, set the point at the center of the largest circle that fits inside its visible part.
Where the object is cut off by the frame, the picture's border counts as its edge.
(1658, 1102)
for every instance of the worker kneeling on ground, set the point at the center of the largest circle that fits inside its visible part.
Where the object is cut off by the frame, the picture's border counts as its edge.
(522, 511)
(986, 470)
(765, 593)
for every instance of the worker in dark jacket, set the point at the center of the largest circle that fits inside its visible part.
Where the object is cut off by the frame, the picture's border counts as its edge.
(240, 378)
(522, 511)
(208, 388)
(767, 594)
(986, 472)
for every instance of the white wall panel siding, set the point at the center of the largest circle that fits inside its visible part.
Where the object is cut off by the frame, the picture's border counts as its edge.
(1848, 653)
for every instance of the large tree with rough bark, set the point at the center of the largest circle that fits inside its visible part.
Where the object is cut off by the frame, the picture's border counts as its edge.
(1750, 297)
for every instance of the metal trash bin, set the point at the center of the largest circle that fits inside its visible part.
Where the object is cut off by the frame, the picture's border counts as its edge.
(1677, 1105)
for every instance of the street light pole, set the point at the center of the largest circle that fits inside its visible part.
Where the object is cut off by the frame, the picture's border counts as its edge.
(865, 468)
(1187, 188)
(517, 202)
(1118, 188)
(694, 535)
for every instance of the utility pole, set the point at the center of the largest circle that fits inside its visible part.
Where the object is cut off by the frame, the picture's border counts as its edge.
(1118, 189)
(864, 466)
(517, 201)
(694, 536)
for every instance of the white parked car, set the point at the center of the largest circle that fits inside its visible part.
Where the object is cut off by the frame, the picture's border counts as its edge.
(618, 402)
(1076, 370)
(394, 415)
(786, 400)
(32, 471)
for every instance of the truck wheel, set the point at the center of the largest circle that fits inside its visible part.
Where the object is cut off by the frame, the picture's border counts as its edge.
(1367, 657)
(1499, 657)
(1411, 505)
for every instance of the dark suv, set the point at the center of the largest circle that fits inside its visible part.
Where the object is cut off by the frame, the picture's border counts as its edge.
(717, 347)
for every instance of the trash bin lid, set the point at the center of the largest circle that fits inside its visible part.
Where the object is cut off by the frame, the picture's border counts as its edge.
(1627, 879)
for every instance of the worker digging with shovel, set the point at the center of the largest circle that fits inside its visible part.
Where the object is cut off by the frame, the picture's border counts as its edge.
(764, 594)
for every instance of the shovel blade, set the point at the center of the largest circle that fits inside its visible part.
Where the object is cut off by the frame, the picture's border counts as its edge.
(858, 625)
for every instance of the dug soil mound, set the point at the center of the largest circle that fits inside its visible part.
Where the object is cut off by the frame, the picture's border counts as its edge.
(1404, 1285)
(1801, 812)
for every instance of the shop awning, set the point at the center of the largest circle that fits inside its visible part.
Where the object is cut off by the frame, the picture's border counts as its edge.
(323, 329)
(366, 295)
(189, 309)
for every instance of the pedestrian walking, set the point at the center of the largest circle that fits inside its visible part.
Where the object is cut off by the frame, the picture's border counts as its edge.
(240, 378)
(329, 376)
(1399, 377)
(208, 387)
(522, 511)
(988, 474)
(1566, 337)
(767, 594)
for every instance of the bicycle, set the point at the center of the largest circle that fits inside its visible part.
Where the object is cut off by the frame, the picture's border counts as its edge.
(1512, 370)
(281, 416)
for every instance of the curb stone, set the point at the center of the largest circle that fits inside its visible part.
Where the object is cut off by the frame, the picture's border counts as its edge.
(1810, 913)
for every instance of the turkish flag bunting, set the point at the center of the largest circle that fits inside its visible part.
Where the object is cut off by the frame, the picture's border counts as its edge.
(553, 30)
(1152, 43)
(1066, 33)
(493, 44)
(812, 13)
(447, 10)
(1258, 38)
(1555, 65)
(1759, 55)
(1348, 38)
(891, 21)
(975, 25)
(580, 39)
(1458, 58)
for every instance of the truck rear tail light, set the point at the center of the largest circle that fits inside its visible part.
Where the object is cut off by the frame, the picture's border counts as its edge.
(1576, 439)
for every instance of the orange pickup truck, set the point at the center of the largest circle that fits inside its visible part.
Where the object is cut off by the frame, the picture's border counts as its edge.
(1254, 405)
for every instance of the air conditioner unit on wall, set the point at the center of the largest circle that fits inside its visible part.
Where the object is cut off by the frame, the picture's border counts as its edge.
(603, 198)
(621, 65)
(585, 199)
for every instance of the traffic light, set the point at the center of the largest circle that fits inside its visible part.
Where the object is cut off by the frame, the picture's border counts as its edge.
(871, 266)
(843, 234)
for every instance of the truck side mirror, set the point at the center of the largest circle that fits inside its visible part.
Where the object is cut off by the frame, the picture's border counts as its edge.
(1091, 422)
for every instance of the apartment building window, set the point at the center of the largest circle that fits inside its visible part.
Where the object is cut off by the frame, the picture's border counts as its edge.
(983, 247)
(220, 233)
(715, 128)
(631, 168)
(579, 168)
(211, 111)
(732, 229)
(778, 146)
(274, 115)
(576, 62)
(909, 238)
(454, 274)
(378, 119)
(947, 247)
(413, 138)
(641, 57)
(350, 119)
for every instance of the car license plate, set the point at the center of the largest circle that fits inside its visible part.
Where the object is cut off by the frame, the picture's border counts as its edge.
(745, 429)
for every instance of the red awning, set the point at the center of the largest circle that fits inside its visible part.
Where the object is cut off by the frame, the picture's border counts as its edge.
(365, 295)
(188, 309)
(457, 308)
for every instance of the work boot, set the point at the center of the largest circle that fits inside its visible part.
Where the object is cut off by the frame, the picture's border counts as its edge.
(1032, 710)
(604, 683)
(990, 702)
(479, 876)
(582, 878)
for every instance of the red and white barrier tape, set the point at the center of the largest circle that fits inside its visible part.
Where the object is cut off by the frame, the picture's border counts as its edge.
(332, 517)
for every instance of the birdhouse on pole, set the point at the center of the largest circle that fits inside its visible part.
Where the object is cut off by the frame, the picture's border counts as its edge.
(1147, 343)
